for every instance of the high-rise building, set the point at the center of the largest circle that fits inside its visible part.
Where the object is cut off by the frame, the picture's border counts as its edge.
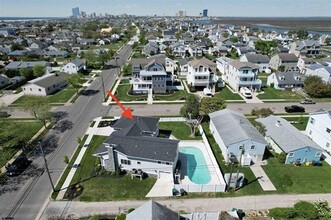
(75, 12)
(181, 14)
(205, 13)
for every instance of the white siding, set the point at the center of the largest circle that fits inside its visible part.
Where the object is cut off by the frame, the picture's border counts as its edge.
(32, 89)
(218, 140)
(316, 130)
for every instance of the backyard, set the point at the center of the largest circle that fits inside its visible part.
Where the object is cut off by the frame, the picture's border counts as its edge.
(227, 94)
(178, 129)
(272, 93)
(299, 122)
(10, 142)
(107, 188)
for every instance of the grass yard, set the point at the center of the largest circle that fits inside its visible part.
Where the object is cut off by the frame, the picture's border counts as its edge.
(299, 122)
(272, 93)
(178, 129)
(60, 97)
(227, 94)
(21, 131)
(176, 95)
(304, 179)
(107, 188)
(122, 94)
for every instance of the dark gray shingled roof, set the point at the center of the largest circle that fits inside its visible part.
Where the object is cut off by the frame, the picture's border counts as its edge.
(288, 57)
(289, 78)
(129, 139)
(234, 127)
(257, 58)
(152, 211)
(49, 80)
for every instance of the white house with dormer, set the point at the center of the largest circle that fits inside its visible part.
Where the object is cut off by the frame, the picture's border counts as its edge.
(73, 66)
(319, 128)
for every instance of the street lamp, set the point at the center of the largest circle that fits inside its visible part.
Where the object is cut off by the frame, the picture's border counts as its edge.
(46, 166)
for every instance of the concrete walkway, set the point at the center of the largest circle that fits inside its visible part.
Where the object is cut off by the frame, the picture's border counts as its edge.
(162, 187)
(106, 131)
(81, 209)
(262, 177)
(8, 99)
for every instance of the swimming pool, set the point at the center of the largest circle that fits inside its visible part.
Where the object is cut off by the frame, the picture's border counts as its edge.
(195, 164)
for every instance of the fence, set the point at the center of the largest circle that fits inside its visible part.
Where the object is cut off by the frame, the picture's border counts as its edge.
(172, 119)
(200, 187)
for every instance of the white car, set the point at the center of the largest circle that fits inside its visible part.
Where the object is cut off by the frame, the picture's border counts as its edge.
(246, 92)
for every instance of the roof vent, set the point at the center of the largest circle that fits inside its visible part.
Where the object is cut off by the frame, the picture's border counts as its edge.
(278, 123)
(155, 152)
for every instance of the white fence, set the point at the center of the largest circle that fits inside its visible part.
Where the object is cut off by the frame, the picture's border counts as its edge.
(200, 188)
(172, 119)
(175, 87)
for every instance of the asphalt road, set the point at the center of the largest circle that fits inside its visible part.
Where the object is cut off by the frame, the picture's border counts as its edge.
(245, 108)
(24, 196)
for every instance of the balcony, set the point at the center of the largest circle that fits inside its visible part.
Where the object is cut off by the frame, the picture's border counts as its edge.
(257, 82)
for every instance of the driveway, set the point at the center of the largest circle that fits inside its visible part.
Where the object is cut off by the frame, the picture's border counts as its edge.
(8, 99)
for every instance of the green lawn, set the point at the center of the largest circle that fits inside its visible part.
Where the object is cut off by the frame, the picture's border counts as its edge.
(227, 94)
(178, 129)
(305, 179)
(21, 131)
(60, 97)
(299, 122)
(112, 46)
(176, 95)
(107, 188)
(138, 55)
(272, 93)
(122, 94)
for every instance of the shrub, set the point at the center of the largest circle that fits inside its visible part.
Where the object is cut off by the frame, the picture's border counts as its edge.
(94, 217)
(281, 157)
(306, 210)
(130, 210)
(282, 213)
(120, 216)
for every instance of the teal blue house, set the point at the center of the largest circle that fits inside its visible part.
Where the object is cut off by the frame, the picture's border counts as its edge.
(284, 137)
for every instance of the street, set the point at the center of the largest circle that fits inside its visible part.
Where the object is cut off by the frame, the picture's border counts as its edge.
(24, 196)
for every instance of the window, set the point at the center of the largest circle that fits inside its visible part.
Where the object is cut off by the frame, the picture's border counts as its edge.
(328, 130)
(167, 163)
(127, 162)
(159, 162)
(312, 121)
(138, 162)
(327, 145)
(318, 154)
(291, 155)
(241, 147)
(253, 147)
(310, 132)
(39, 90)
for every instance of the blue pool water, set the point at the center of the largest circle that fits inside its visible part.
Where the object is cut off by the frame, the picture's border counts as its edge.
(194, 163)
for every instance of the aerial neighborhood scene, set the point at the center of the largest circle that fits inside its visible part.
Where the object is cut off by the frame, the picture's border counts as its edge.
(165, 110)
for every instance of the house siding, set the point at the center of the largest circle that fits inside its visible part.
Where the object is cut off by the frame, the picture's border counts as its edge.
(303, 155)
(317, 130)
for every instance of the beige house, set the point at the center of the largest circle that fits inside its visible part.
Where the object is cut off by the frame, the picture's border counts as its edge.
(284, 62)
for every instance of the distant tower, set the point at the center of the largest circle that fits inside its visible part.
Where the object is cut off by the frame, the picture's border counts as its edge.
(205, 13)
(75, 12)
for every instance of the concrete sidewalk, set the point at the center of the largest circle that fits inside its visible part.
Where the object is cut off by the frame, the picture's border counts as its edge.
(262, 177)
(81, 209)
(8, 99)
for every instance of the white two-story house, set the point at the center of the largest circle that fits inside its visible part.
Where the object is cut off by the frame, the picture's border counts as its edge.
(319, 128)
(242, 74)
(258, 59)
(74, 66)
(306, 48)
(201, 73)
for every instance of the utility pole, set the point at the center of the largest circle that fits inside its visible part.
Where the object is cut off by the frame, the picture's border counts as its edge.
(230, 177)
(241, 154)
(103, 87)
(46, 166)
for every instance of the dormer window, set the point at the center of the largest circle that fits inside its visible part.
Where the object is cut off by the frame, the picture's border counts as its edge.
(282, 78)
(297, 78)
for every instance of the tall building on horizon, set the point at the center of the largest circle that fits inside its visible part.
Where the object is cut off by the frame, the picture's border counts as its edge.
(75, 12)
(181, 14)
(205, 13)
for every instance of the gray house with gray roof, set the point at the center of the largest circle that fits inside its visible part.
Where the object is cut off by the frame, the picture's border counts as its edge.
(134, 145)
(235, 135)
(282, 81)
(284, 137)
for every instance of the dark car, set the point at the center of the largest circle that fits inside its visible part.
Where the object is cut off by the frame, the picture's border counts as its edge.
(294, 108)
(307, 101)
(18, 166)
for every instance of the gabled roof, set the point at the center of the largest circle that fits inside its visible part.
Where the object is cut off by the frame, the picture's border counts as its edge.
(321, 111)
(257, 58)
(142, 62)
(286, 136)
(143, 123)
(238, 65)
(152, 211)
(49, 80)
(234, 127)
(289, 78)
(203, 61)
(77, 62)
(288, 57)
(183, 62)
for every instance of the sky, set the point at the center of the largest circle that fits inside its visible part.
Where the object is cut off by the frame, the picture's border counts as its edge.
(232, 8)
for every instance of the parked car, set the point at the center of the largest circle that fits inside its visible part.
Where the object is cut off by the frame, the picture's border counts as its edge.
(294, 108)
(18, 166)
(307, 101)
(246, 92)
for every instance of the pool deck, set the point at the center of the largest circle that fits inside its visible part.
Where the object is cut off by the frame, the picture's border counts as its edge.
(215, 173)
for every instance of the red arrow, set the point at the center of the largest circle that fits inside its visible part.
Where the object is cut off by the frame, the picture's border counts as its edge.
(126, 112)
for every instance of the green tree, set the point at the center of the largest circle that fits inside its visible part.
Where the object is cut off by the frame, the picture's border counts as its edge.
(281, 68)
(75, 80)
(306, 210)
(327, 41)
(27, 73)
(39, 108)
(24, 43)
(66, 159)
(315, 87)
(233, 39)
(265, 46)
(190, 107)
(16, 46)
(302, 34)
(263, 112)
(225, 35)
(211, 104)
(38, 70)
